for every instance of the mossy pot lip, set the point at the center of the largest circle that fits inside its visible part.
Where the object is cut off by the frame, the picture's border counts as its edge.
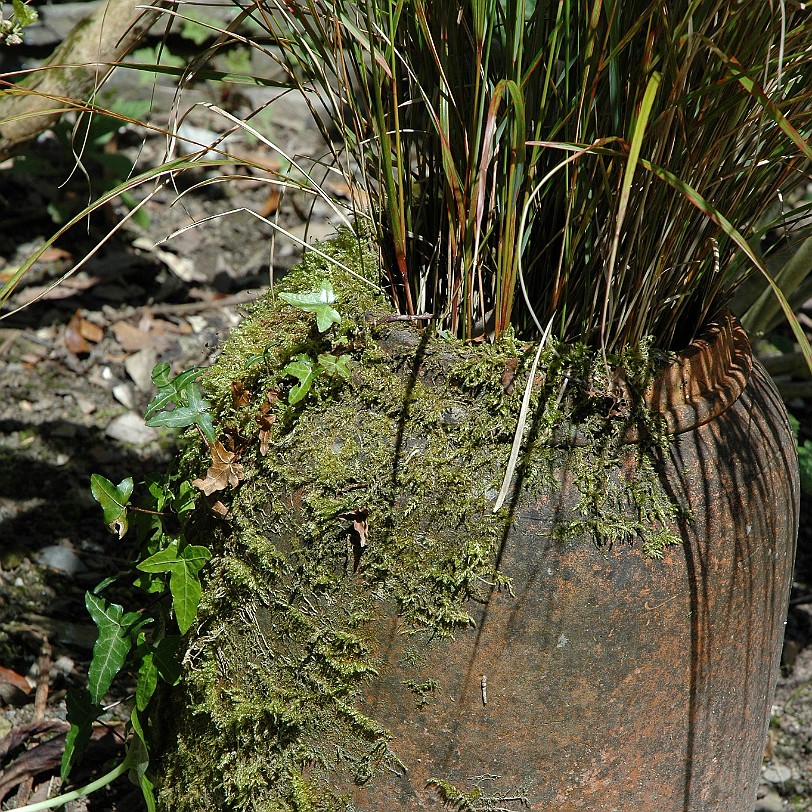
(703, 380)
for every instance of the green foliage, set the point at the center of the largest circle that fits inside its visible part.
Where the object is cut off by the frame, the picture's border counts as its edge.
(167, 569)
(805, 465)
(198, 28)
(320, 302)
(103, 169)
(82, 712)
(513, 156)
(305, 370)
(155, 57)
(804, 456)
(114, 500)
(112, 645)
(303, 367)
(190, 407)
(183, 565)
(11, 29)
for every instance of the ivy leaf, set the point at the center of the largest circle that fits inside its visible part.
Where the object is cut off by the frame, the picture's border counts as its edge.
(81, 715)
(138, 761)
(183, 565)
(113, 500)
(170, 390)
(147, 681)
(303, 369)
(112, 645)
(196, 410)
(166, 658)
(335, 365)
(184, 395)
(319, 302)
(184, 502)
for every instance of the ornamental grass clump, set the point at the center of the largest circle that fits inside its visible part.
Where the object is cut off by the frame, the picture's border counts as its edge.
(568, 189)
(602, 167)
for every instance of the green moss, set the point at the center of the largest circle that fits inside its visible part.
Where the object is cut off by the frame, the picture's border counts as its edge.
(477, 800)
(374, 501)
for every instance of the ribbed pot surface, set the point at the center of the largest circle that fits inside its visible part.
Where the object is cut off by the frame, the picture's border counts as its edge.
(608, 681)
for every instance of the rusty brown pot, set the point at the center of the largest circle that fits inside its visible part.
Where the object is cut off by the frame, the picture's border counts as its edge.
(608, 681)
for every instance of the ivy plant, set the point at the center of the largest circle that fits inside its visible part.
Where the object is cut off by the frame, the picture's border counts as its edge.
(146, 640)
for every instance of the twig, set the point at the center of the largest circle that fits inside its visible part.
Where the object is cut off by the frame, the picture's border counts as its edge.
(387, 319)
(40, 703)
(190, 308)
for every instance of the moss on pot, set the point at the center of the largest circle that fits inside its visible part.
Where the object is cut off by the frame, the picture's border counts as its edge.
(375, 498)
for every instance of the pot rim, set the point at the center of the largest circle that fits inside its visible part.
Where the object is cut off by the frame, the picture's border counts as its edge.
(704, 379)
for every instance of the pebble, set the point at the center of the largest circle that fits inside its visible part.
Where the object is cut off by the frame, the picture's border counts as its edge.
(123, 393)
(139, 368)
(6, 726)
(771, 802)
(777, 774)
(130, 428)
(60, 558)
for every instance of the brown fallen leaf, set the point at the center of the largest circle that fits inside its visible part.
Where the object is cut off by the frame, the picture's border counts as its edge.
(265, 421)
(225, 470)
(54, 254)
(64, 290)
(78, 332)
(240, 396)
(271, 204)
(219, 509)
(92, 332)
(15, 679)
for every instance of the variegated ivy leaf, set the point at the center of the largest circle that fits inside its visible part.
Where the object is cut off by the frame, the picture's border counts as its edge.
(320, 302)
(112, 645)
(183, 565)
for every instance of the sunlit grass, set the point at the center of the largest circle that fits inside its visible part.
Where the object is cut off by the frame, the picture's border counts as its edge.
(586, 146)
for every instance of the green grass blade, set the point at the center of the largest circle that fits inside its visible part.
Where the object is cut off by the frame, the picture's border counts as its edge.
(727, 227)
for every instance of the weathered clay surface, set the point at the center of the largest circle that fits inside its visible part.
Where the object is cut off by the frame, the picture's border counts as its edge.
(616, 682)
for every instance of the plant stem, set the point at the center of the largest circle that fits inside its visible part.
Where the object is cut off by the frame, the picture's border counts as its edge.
(60, 800)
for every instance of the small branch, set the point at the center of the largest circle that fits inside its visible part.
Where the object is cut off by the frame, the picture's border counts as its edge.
(388, 319)
(146, 510)
(73, 73)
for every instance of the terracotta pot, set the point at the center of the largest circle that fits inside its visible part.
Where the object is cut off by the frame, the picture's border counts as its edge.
(609, 681)
(603, 680)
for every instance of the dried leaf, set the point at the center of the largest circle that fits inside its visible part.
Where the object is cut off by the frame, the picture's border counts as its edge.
(15, 679)
(54, 254)
(225, 470)
(73, 338)
(271, 204)
(509, 374)
(129, 337)
(359, 524)
(240, 396)
(264, 441)
(92, 332)
(265, 421)
(219, 509)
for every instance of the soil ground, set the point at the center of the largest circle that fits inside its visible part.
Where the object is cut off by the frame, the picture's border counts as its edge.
(74, 380)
